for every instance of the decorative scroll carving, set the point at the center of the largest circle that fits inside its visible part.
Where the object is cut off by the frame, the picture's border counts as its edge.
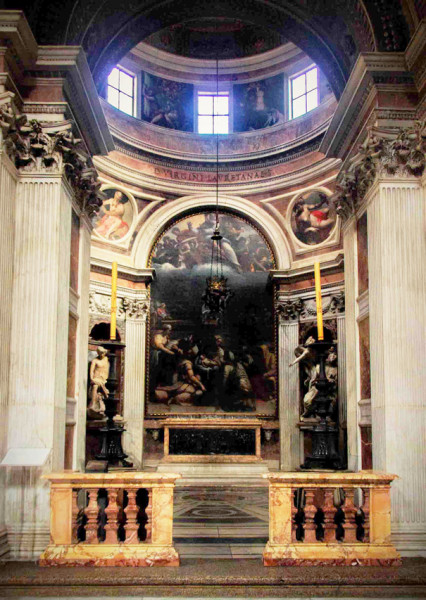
(136, 309)
(337, 304)
(290, 310)
(399, 152)
(100, 304)
(34, 146)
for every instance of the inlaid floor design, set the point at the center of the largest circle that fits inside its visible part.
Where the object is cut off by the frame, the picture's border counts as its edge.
(221, 522)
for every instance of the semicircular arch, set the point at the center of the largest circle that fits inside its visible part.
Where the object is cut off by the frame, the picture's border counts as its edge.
(164, 216)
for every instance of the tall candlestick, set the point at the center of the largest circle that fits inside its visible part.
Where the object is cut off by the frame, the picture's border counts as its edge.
(113, 327)
(318, 299)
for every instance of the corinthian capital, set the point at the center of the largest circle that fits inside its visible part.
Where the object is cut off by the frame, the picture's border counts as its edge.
(385, 152)
(51, 148)
(136, 309)
(290, 310)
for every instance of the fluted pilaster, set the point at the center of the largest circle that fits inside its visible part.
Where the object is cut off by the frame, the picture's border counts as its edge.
(7, 241)
(38, 362)
(82, 344)
(135, 374)
(351, 336)
(397, 255)
(288, 378)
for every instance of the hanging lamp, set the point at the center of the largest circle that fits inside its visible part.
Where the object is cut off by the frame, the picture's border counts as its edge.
(217, 293)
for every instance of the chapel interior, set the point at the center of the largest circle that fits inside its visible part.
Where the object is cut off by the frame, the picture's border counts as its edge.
(213, 291)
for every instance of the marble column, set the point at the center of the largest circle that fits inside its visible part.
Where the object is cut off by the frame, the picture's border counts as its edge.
(38, 358)
(81, 368)
(351, 337)
(288, 378)
(397, 293)
(137, 310)
(8, 177)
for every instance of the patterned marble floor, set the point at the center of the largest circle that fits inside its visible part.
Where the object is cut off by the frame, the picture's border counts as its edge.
(221, 522)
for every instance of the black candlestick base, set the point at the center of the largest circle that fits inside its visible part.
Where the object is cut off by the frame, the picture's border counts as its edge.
(324, 433)
(112, 449)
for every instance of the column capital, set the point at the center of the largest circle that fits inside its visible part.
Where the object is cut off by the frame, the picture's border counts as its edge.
(289, 310)
(385, 153)
(51, 148)
(136, 309)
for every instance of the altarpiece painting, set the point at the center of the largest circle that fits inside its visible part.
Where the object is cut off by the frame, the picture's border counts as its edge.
(198, 365)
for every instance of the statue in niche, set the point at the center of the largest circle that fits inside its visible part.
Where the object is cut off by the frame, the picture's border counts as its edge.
(307, 357)
(99, 371)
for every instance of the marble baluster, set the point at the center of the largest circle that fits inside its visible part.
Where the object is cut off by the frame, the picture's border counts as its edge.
(74, 516)
(148, 512)
(329, 512)
(111, 512)
(92, 512)
(131, 512)
(350, 513)
(310, 512)
(288, 378)
(397, 284)
(366, 511)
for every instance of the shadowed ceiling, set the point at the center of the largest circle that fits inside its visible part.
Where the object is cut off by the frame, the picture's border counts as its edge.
(331, 32)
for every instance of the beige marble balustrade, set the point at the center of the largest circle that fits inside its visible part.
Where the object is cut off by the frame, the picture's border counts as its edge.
(111, 519)
(330, 518)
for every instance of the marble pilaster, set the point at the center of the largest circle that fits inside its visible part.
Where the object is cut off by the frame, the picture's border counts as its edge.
(82, 344)
(137, 310)
(396, 256)
(351, 336)
(8, 176)
(288, 378)
(38, 358)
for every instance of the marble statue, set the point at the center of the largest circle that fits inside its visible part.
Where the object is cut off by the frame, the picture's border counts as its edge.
(99, 371)
(307, 357)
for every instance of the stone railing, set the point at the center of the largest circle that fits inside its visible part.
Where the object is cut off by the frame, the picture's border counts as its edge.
(118, 518)
(329, 518)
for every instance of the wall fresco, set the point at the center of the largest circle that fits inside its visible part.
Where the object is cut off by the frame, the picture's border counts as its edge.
(259, 104)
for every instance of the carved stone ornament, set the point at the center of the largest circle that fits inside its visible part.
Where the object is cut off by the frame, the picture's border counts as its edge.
(400, 152)
(33, 146)
(290, 310)
(135, 309)
(337, 304)
(100, 304)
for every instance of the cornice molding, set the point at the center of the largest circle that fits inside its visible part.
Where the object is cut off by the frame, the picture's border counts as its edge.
(296, 274)
(372, 70)
(126, 272)
(80, 90)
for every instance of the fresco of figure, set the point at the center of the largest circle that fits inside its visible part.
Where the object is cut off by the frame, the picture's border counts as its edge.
(312, 218)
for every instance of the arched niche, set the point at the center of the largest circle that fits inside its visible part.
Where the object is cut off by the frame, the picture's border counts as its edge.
(171, 211)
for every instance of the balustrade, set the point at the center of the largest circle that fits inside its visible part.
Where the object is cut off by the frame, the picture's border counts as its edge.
(111, 519)
(329, 518)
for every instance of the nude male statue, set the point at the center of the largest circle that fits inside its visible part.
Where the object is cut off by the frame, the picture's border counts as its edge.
(99, 371)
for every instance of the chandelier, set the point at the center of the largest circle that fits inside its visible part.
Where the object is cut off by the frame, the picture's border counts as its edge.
(217, 293)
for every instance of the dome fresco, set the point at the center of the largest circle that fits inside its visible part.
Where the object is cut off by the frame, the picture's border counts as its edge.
(215, 38)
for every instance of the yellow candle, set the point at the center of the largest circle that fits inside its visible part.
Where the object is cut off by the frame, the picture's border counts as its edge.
(318, 301)
(113, 326)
